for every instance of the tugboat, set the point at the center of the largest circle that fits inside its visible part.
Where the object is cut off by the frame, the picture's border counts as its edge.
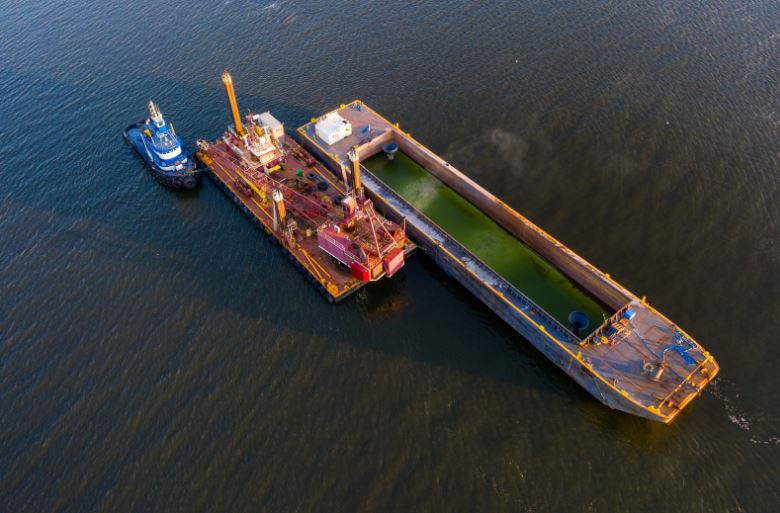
(163, 151)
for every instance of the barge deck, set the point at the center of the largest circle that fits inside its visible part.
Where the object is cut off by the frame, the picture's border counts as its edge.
(334, 281)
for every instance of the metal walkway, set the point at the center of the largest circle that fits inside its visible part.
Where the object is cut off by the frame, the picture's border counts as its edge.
(441, 239)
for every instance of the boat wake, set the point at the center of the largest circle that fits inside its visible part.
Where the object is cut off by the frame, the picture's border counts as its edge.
(739, 417)
(280, 13)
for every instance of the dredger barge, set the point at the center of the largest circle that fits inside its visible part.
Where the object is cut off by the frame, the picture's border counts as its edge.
(329, 229)
(614, 344)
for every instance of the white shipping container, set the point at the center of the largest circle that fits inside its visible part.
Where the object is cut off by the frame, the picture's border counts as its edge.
(332, 128)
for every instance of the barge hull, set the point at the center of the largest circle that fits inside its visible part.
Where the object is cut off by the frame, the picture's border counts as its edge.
(611, 363)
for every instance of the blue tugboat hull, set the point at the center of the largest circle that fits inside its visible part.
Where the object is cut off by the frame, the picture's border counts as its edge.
(185, 178)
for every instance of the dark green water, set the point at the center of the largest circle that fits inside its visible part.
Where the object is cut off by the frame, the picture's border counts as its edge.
(158, 354)
(505, 254)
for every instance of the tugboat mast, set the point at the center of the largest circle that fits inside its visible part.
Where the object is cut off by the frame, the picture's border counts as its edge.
(156, 115)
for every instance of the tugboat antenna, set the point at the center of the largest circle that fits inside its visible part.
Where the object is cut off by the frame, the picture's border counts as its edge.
(155, 113)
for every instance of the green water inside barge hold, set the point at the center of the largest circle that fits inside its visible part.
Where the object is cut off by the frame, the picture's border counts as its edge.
(503, 252)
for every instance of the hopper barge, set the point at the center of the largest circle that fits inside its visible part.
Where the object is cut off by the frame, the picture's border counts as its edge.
(614, 344)
(329, 229)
